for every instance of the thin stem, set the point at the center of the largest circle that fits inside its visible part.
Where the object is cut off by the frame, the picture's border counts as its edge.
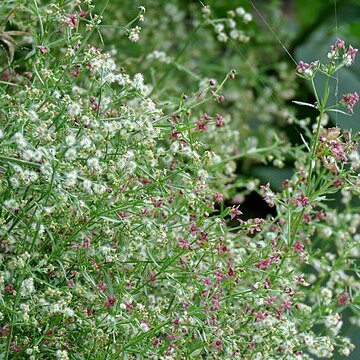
(313, 152)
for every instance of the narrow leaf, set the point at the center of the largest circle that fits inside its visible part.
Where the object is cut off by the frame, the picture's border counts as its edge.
(339, 111)
(304, 104)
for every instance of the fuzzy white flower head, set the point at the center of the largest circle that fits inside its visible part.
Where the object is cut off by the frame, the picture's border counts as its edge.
(134, 34)
(85, 142)
(234, 34)
(206, 10)
(70, 140)
(222, 37)
(247, 17)
(93, 163)
(71, 154)
(231, 23)
(27, 287)
(138, 80)
(74, 109)
(62, 355)
(333, 323)
(240, 11)
(330, 54)
(347, 61)
(87, 186)
(71, 178)
(33, 116)
(219, 28)
(20, 140)
(11, 204)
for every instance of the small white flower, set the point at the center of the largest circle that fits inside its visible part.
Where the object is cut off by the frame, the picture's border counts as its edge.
(62, 355)
(33, 116)
(234, 34)
(231, 23)
(134, 35)
(74, 109)
(219, 28)
(222, 37)
(247, 18)
(71, 154)
(87, 186)
(85, 142)
(70, 140)
(93, 163)
(71, 178)
(27, 287)
(240, 11)
(11, 204)
(20, 140)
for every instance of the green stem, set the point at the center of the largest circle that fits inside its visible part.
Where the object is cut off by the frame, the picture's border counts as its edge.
(313, 153)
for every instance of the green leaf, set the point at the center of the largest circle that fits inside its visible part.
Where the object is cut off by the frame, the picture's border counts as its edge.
(339, 111)
(30, 54)
(304, 104)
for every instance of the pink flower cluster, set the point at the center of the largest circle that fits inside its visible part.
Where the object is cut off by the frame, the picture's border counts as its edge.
(307, 70)
(339, 51)
(350, 100)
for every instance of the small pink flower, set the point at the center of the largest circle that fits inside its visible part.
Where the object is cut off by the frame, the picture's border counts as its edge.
(234, 211)
(344, 299)
(302, 66)
(10, 289)
(201, 125)
(219, 120)
(218, 197)
(193, 228)
(338, 182)
(222, 249)
(320, 215)
(102, 286)
(110, 301)
(306, 218)
(307, 70)
(43, 49)
(82, 14)
(270, 299)
(176, 322)
(259, 316)
(183, 244)
(340, 44)
(72, 20)
(299, 247)
(218, 344)
(302, 200)
(299, 279)
(263, 264)
(86, 243)
(252, 344)
(267, 283)
(351, 54)
(350, 100)
(286, 305)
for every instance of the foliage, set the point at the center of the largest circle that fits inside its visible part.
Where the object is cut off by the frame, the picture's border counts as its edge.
(125, 150)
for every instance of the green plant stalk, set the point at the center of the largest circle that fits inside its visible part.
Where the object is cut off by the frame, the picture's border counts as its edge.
(322, 109)
(314, 146)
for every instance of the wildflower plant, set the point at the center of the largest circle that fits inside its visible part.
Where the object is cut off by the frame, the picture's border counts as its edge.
(121, 222)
